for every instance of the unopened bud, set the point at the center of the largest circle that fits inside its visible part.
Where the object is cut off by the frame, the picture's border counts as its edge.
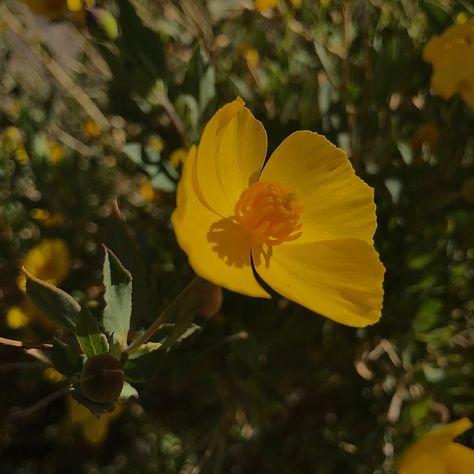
(101, 24)
(102, 379)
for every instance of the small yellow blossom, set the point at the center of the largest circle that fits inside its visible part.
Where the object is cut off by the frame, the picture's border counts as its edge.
(91, 129)
(56, 152)
(178, 157)
(303, 220)
(50, 261)
(264, 5)
(16, 318)
(252, 57)
(93, 428)
(147, 191)
(436, 453)
(12, 142)
(156, 143)
(47, 218)
(452, 57)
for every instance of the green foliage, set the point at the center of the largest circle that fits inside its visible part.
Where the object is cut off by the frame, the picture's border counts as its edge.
(118, 298)
(55, 303)
(92, 341)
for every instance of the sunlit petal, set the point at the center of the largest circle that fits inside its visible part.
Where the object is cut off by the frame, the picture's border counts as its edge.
(459, 459)
(336, 203)
(230, 156)
(340, 279)
(217, 248)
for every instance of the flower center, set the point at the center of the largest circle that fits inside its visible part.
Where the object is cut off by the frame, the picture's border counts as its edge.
(269, 213)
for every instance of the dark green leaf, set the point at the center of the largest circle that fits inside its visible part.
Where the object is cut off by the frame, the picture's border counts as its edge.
(92, 341)
(118, 298)
(55, 303)
(95, 408)
(65, 359)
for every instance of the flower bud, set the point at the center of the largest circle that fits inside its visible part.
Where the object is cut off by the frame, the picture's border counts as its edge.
(101, 24)
(102, 379)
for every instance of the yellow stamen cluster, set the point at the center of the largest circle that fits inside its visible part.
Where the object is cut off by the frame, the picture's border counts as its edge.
(269, 213)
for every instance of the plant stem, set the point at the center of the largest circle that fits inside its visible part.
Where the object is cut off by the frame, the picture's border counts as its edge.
(163, 317)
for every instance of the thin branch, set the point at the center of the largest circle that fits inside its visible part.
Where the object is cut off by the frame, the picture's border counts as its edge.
(25, 345)
(162, 318)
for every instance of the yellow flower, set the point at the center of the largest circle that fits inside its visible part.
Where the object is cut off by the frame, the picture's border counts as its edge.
(91, 129)
(178, 157)
(50, 261)
(305, 221)
(47, 218)
(436, 453)
(56, 152)
(148, 192)
(263, 5)
(93, 428)
(452, 57)
(52, 9)
(16, 318)
(251, 56)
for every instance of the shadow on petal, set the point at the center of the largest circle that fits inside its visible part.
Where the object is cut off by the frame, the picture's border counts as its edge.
(230, 243)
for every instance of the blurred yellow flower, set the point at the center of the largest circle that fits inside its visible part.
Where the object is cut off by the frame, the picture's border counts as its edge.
(252, 57)
(178, 157)
(263, 5)
(12, 142)
(52, 9)
(305, 221)
(452, 57)
(93, 428)
(47, 218)
(147, 191)
(156, 143)
(16, 318)
(56, 152)
(91, 129)
(436, 453)
(50, 261)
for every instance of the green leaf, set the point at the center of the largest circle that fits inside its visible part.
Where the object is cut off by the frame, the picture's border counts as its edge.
(95, 408)
(118, 298)
(119, 240)
(55, 303)
(183, 329)
(207, 89)
(128, 391)
(438, 14)
(65, 359)
(91, 339)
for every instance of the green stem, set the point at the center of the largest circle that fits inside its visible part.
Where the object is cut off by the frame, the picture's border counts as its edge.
(164, 317)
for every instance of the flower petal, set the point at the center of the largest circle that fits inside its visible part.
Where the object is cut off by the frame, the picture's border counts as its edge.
(459, 459)
(231, 154)
(429, 454)
(217, 248)
(336, 203)
(340, 279)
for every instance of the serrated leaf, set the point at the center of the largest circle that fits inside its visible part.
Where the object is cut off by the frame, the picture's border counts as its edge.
(65, 359)
(95, 408)
(118, 298)
(128, 391)
(91, 339)
(55, 303)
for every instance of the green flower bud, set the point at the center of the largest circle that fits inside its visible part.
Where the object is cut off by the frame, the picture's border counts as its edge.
(101, 24)
(102, 379)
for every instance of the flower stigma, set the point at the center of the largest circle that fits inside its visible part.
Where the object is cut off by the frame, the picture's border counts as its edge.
(269, 213)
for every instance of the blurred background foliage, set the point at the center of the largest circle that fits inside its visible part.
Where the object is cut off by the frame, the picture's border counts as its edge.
(102, 103)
